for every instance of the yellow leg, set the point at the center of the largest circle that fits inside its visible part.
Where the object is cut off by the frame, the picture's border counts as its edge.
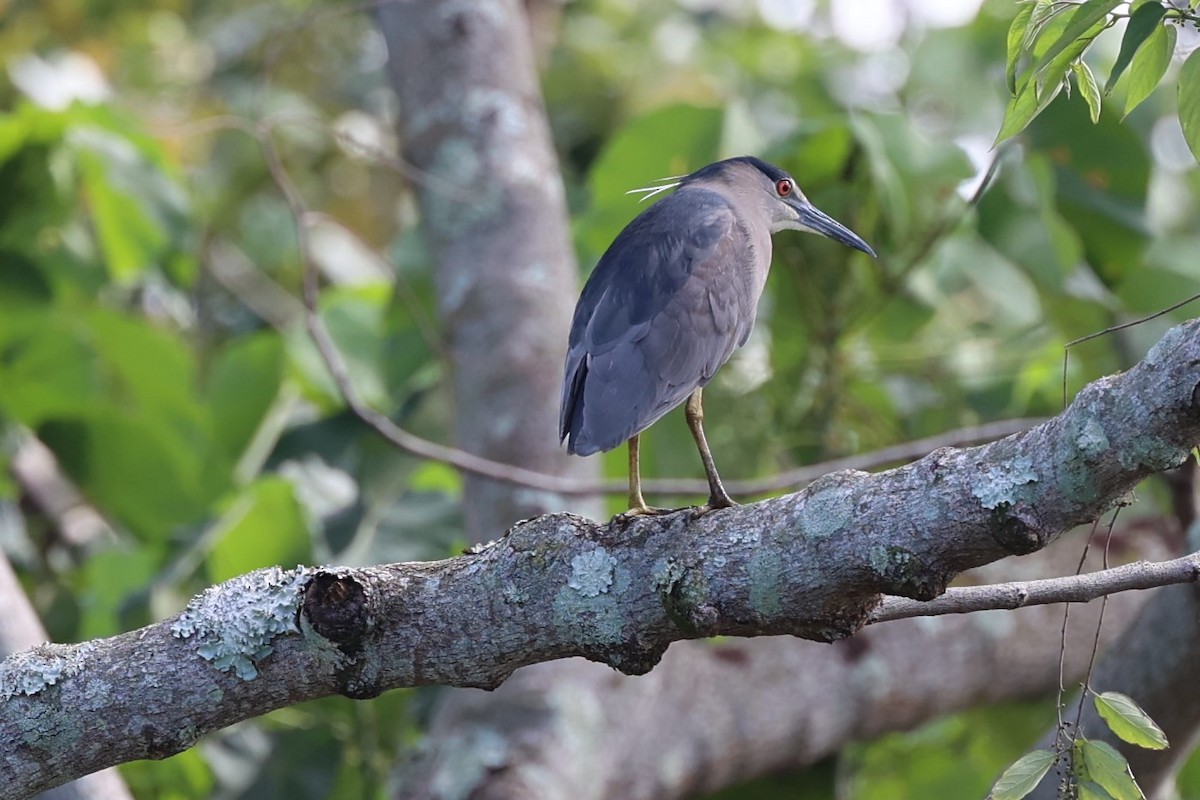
(717, 496)
(637, 503)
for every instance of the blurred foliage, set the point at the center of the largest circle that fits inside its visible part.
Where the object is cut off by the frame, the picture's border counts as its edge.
(150, 329)
(957, 756)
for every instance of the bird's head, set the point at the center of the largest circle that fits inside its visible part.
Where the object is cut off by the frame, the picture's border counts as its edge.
(766, 190)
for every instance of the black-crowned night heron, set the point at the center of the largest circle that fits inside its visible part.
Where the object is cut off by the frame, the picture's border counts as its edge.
(674, 295)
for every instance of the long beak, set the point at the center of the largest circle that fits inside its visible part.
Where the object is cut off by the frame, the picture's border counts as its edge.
(815, 220)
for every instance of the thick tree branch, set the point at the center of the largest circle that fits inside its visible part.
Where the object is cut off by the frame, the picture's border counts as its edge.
(782, 704)
(812, 564)
(20, 628)
(715, 713)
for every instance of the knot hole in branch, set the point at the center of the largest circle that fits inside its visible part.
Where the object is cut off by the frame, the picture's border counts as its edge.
(906, 575)
(1015, 528)
(336, 607)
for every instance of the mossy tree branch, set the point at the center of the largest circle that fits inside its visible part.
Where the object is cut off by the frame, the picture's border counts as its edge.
(812, 564)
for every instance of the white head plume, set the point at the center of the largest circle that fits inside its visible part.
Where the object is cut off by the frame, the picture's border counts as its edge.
(665, 184)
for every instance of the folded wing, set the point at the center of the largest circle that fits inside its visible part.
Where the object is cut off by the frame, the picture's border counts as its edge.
(663, 310)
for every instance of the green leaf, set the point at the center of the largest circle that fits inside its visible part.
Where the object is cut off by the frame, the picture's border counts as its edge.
(1047, 16)
(1101, 763)
(135, 208)
(1093, 791)
(1137, 294)
(434, 476)
(264, 526)
(1102, 198)
(1142, 23)
(1023, 777)
(822, 156)
(1016, 36)
(47, 369)
(1088, 88)
(181, 777)
(242, 384)
(1149, 65)
(1189, 102)
(1127, 720)
(1039, 88)
(1021, 110)
(148, 368)
(113, 583)
(134, 468)
(1078, 30)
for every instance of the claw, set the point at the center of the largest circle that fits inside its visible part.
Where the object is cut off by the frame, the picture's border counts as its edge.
(643, 511)
(713, 504)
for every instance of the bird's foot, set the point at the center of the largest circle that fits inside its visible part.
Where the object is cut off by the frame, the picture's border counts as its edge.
(642, 510)
(715, 503)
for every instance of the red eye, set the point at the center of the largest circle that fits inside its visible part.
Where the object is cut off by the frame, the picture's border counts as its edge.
(784, 187)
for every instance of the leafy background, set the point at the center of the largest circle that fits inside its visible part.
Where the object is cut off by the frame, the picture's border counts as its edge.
(151, 337)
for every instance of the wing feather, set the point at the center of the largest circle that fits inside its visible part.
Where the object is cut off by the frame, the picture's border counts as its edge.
(665, 307)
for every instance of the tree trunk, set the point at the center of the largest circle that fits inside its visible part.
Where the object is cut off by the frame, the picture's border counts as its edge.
(471, 117)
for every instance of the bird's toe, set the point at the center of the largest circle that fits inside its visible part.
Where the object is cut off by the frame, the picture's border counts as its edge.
(643, 511)
(713, 504)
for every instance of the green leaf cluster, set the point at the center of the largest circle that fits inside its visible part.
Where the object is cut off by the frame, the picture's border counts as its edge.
(1053, 38)
(1095, 769)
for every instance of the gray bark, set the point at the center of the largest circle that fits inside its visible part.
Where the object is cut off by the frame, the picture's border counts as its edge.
(20, 628)
(711, 715)
(494, 212)
(812, 564)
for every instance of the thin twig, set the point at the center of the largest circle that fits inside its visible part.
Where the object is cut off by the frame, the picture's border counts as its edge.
(338, 370)
(1113, 329)
(1064, 739)
(404, 289)
(1087, 676)
(1080, 588)
(801, 476)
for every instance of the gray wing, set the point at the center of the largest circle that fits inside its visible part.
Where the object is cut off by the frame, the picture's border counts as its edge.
(663, 310)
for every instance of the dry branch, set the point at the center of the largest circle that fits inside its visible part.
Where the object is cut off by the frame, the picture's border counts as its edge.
(1019, 594)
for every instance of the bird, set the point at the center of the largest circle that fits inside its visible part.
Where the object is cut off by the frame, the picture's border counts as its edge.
(668, 303)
